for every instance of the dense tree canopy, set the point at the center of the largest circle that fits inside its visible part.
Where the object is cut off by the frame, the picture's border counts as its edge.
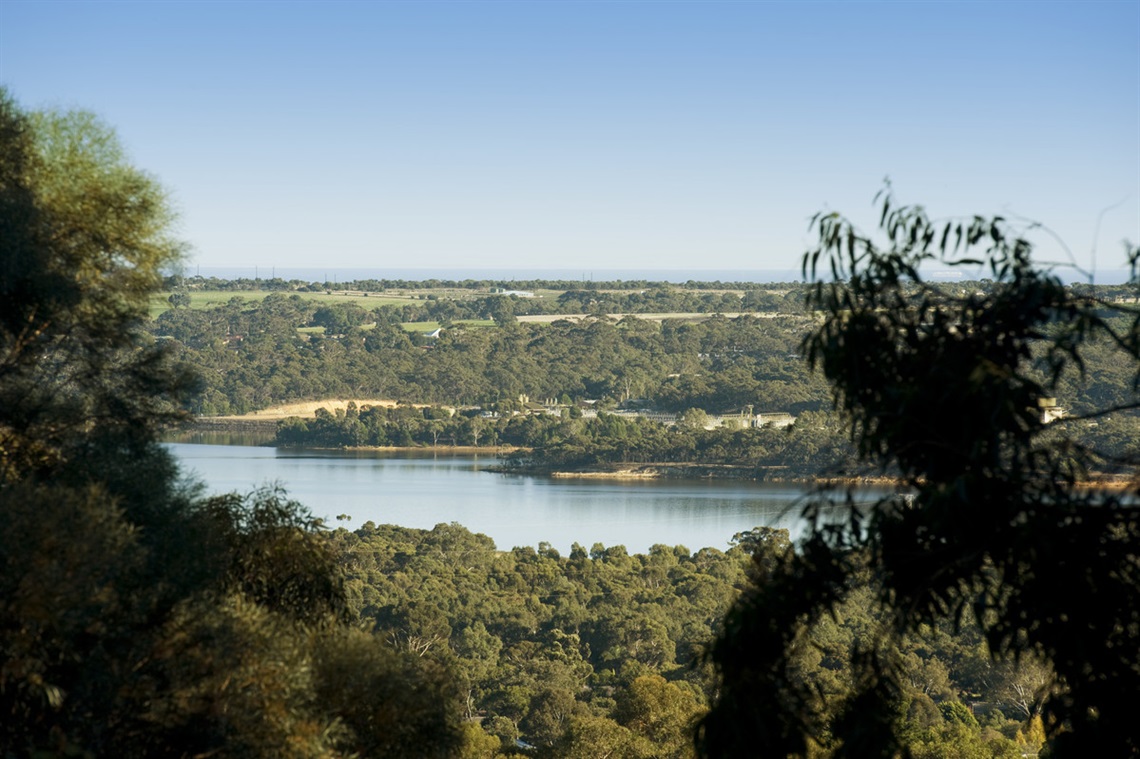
(601, 652)
(253, 356)
(993, 520)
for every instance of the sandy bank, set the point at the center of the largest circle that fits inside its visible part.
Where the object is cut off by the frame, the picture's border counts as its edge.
(308, 409)
(621, 474)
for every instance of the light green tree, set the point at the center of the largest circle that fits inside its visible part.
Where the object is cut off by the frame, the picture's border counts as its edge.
(137, 617)
(660, 712)
(85, 237)
(693, 419)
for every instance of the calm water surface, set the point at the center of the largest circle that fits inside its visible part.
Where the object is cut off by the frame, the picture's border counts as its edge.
(423, 490)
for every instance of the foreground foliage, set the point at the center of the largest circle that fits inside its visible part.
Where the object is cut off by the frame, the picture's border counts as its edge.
(943, 391)
(138, 618)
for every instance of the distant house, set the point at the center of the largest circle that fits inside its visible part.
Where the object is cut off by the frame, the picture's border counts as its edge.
(538, 409)
(516, 293)
(435, 332)
(1049, 410)
(745, 418)
(735, 420)
(775, 419)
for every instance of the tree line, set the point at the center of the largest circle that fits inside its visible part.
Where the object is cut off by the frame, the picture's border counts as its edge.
(173, 282)
(815, 444)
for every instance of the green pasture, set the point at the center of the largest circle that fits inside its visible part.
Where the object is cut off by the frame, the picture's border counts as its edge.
(202, 299)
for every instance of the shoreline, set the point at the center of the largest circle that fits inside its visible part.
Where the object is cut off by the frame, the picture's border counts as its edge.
(695, 471)
(1104, 482)
(627, 472)
(496, 450)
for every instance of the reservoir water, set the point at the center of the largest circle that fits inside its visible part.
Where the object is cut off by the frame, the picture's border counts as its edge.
(423, 490)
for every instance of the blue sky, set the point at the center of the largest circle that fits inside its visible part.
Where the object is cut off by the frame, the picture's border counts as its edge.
(596, 135)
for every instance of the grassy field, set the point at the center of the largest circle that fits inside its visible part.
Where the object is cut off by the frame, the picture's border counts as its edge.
(201, 299)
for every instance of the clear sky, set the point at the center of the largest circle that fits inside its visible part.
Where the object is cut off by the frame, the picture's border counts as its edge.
(600, 135)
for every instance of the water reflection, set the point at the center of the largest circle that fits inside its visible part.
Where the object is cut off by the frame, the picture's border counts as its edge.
(219, 437)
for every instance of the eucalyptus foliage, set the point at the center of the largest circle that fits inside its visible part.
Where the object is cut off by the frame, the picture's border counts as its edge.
(137, 617)
(85, 237)
(994, 518)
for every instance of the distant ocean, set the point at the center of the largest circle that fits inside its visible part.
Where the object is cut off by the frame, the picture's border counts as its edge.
(676, 276)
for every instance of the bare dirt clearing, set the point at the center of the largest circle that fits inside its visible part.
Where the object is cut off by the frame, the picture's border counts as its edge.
(308, 409)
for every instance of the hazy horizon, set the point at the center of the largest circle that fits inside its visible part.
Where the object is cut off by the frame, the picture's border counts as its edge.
(672, 276)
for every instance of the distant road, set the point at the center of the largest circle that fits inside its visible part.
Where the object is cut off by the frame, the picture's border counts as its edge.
(548, 318)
